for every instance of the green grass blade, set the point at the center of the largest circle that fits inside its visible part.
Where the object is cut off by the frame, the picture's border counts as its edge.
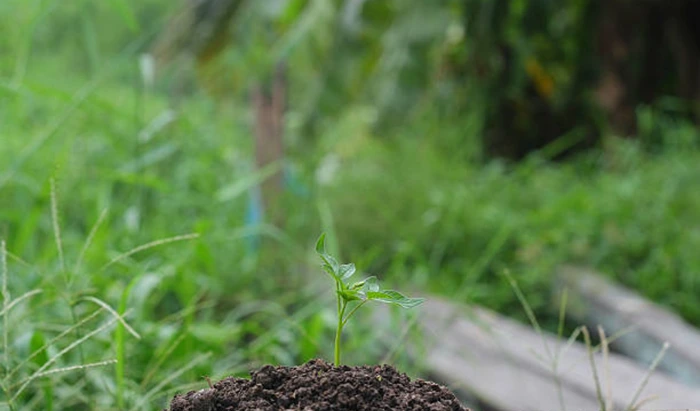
(149, 245)
(75, 368)
(114, 314)
(25, 383)
(88, 240)
(242, 185)
(126, 13)
(5, 307)
(171, 377)
(18, 300)
(39, 350)
(51, 130)
(57, 229)
(633, 404)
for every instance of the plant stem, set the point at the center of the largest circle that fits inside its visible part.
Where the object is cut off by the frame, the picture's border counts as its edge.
(342, 320)
(347, 317)
(339, 330)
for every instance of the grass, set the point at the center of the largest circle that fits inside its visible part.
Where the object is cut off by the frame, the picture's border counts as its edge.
(552, 357)
(453, 227)
(123, 218)
(100, 225)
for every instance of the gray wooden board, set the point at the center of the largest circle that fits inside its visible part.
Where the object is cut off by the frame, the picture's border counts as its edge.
(595, 300)
(505, 365)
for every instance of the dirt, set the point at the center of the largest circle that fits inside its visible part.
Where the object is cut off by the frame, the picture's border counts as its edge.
(318, 385)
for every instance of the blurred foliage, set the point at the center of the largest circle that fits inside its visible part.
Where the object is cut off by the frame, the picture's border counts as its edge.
(390, 105)
(532, 65)
(517, 75)
(453, 228)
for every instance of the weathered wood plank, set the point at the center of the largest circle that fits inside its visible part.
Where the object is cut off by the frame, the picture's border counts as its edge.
(502, 363)
(596, 300)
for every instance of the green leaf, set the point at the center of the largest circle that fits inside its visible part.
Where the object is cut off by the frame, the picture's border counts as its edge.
(38, 347)
(40, 357)
(321, 244)
(346, 271)
(371, 284)
(394, 297)
(330, 264)
(350, 295)
(358, 285)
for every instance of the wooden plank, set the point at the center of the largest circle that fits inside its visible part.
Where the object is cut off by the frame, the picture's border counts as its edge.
(595, 300)
(497, 360)
(466, 352)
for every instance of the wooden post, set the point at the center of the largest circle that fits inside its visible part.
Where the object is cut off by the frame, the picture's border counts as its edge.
(269, 105)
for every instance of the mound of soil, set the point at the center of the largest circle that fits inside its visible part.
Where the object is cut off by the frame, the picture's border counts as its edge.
(317, 386)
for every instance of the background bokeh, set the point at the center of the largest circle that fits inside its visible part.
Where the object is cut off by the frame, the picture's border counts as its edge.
(437, 143)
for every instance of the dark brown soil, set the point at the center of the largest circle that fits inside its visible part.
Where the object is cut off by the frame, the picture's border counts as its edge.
(317, 386)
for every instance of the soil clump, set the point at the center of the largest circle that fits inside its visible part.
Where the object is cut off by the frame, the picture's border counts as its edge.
(318, 385)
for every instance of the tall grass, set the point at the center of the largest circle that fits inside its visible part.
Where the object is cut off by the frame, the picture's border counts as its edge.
(104, 187)
(127, 277)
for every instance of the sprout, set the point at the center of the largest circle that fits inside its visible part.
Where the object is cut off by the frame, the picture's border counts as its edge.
(357, 293)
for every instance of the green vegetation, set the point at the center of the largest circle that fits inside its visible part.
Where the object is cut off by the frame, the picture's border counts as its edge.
(454, 228)
(359, 292)
(131, 267)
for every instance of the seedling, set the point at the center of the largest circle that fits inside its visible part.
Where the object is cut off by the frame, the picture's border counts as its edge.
(357, 294)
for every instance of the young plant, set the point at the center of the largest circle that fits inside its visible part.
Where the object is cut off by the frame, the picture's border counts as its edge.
(357, 294)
